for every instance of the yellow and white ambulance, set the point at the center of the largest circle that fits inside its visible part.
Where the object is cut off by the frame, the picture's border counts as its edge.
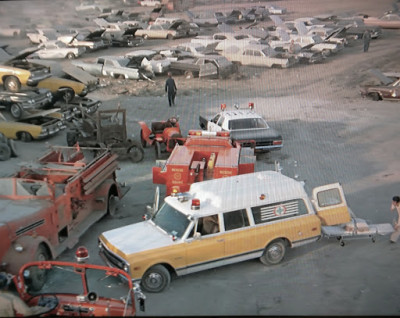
(220, 222)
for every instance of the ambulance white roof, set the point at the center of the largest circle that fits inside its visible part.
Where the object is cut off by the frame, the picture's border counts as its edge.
(239, 192)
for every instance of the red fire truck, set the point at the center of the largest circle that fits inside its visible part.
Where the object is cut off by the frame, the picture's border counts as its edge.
(92, 290)
(204, 156)
(48, 204)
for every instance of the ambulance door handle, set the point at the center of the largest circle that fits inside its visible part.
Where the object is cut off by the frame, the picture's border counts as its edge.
(220, 240)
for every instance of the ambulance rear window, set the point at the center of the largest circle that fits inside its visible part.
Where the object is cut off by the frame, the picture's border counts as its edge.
(329, 197)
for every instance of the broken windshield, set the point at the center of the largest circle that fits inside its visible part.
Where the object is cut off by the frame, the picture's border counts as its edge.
(51, 280)
(171, 221)
(23, 187)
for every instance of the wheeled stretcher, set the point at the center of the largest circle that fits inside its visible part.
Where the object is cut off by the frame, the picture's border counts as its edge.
(356, 228)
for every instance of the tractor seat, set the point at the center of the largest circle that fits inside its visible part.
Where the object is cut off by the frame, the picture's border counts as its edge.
(157, 127)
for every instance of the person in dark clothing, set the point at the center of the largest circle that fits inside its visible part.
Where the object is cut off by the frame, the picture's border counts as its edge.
(170, 88)
(366, 39)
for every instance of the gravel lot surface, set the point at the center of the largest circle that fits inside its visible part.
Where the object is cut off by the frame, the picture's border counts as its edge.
(331, 135)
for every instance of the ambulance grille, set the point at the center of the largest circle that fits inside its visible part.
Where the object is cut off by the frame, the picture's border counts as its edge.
(113, 259)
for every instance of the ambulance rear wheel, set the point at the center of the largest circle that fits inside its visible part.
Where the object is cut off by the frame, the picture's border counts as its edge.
(157, 147)
(274, 253)
(156, 279)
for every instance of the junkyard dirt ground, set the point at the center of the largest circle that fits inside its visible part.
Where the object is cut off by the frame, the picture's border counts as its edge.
(331, 135)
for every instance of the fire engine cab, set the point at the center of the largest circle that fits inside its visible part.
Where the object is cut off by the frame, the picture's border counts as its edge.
(204, 156)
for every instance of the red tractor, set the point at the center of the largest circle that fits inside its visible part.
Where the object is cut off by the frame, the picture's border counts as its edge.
(164, 135)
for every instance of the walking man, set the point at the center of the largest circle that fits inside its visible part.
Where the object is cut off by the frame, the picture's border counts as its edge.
(170, 88)
(366, 38)
(395, 207)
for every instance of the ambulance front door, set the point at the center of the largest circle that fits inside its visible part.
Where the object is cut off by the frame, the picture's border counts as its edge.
(206, 246)
(330, 204)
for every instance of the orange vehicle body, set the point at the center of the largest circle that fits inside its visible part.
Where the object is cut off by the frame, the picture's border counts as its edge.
(92, 290)
(203, 156)
(163, 135)
(48, 204)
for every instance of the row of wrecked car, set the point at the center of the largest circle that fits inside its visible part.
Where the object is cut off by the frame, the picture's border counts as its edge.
(71, 44)
(268, 41)
(35, 104)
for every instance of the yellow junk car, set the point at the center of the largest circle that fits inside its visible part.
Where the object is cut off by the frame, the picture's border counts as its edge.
(30, 128)
(222, 221)
(63, 89)
(17, 72)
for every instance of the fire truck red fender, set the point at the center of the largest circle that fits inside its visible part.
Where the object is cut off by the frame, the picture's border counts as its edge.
(111, 193)
(107, 186)
(145, 133)
(27, 249)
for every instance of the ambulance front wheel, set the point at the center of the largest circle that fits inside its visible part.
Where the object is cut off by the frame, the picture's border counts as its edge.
(274, 253)
(156, 279)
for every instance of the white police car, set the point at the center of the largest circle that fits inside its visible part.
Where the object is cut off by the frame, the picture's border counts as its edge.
(246, 127)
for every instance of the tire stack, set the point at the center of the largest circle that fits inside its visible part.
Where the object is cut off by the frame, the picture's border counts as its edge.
(7, 148)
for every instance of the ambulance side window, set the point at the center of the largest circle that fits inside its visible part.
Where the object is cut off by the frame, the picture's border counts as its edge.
(208, 225)
(236, 219)
(276, 211)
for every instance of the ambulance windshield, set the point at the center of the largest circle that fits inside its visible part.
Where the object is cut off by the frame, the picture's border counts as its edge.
(171, 221)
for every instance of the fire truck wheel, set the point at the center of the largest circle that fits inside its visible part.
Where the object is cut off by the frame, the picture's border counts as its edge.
(156, 279)
(274, 253)
(136, 154)
(38, 276)
(5, 152)
(157, 147)
(112, 204)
